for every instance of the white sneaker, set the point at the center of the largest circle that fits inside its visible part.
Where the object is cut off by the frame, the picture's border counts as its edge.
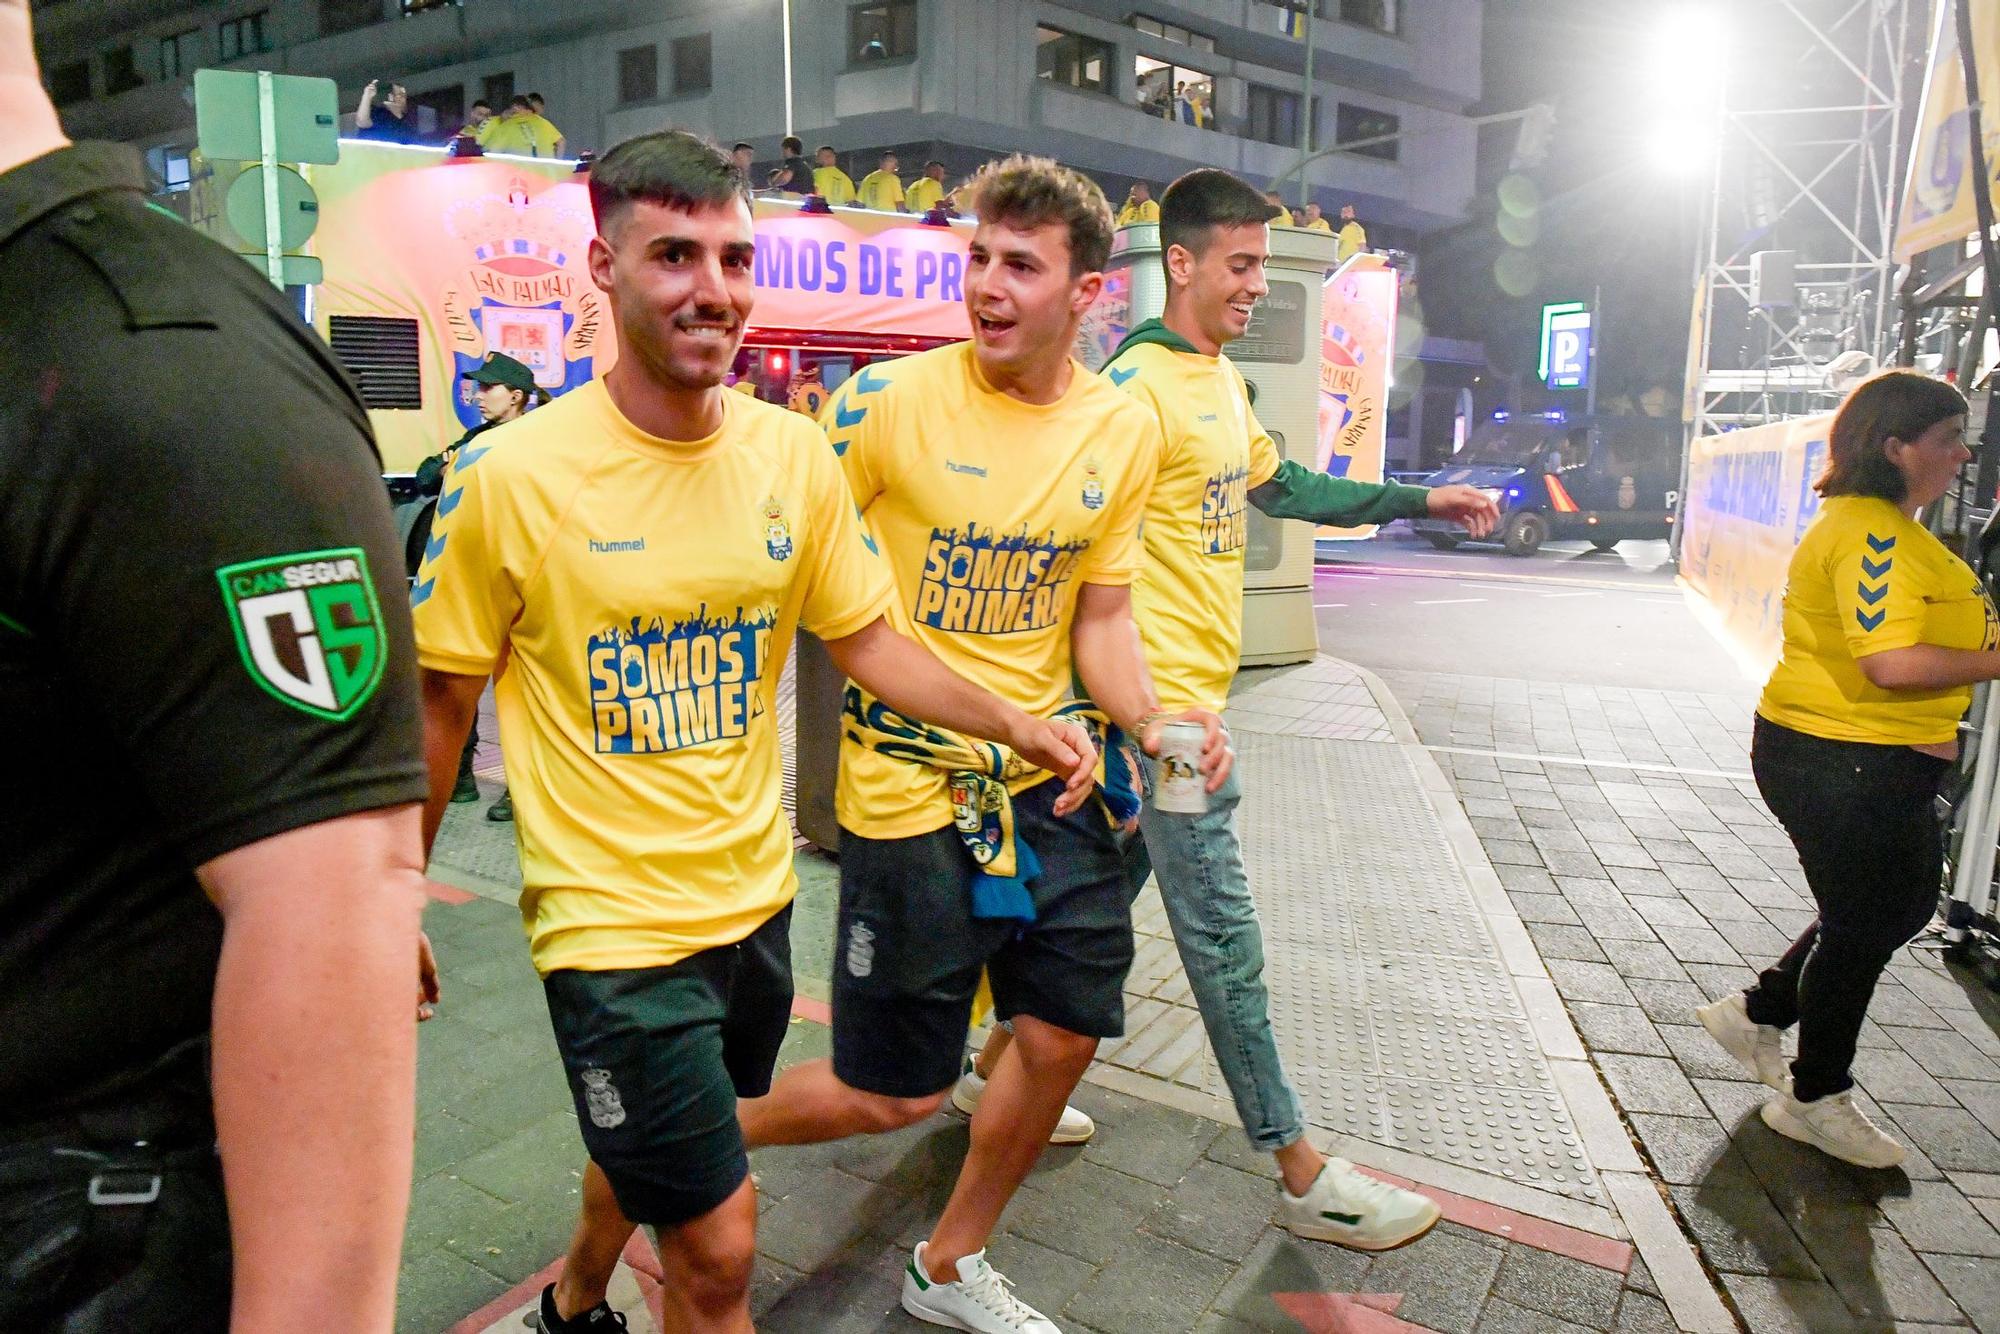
(1834, 1125)
(981, 1300)
(1758, 1048)
(1351, 1208)
(1074, 1128)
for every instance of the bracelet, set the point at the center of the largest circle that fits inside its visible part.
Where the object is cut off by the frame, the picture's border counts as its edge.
(1155, 716)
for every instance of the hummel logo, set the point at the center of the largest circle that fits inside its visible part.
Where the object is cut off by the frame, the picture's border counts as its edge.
(605, 548)
(1206, 417)
(966, 468)
(1345, 1220)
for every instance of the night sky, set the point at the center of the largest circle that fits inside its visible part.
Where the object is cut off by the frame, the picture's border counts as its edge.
(1598, 213)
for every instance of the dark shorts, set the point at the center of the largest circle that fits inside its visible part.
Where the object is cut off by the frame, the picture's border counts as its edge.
(908, 951)
(657, 1058)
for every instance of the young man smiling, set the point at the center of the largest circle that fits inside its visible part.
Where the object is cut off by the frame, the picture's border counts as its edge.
(632, 560)
(1217, 461)
(1004, 484)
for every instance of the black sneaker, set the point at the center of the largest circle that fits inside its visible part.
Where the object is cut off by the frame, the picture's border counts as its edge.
(501, 811)
(467, 790)
(596, 1320)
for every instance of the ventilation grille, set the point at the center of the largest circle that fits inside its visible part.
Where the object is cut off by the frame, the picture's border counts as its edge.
(381, 355)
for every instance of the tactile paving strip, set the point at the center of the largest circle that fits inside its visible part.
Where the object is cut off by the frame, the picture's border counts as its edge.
(1394, 1014)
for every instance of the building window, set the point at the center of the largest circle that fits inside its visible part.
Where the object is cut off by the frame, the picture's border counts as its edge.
(497, 90)
(638, 74)
(1381, 15)
(418, 6)
(69, 83)
(447, 104)
(1352, 124)
(169, 169)
(1073, 59)
(246, 36)
(1173, 32)
(179, 53)
(1274, 115)
(1174, 92)
(121, 71)
(884, 30)
(347, 15)
(693, 72)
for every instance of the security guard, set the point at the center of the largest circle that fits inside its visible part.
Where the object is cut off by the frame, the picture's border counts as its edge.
(209, 867)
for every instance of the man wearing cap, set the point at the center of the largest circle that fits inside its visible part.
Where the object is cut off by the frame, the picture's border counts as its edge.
(505, 388)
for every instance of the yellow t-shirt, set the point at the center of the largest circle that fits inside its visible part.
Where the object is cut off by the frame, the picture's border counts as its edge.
(1319, 225)
(1132, 213)
(991, 513)
(1352, 240)
(1867, 578)
(881, 190)
(638, 597)
(530, 135)
(807, 396)
(1189, 598)
(1283, 217)
(923, 194)
(833, 185)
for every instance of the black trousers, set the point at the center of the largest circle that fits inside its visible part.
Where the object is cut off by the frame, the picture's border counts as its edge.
(1864, 820)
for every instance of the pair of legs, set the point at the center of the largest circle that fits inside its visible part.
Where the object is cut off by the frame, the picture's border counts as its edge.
(1199, 861)
(657, 1059)
(906, 971)
(1865, 825)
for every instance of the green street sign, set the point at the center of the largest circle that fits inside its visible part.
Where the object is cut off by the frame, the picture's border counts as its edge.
(298, 208)
(305, 116)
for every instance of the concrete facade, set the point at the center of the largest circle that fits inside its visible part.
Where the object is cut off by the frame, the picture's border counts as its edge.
(968, 88)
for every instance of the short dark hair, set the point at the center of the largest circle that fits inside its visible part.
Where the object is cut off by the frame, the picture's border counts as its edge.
(1199, 202)
(482, 102)
(888, 153)
(537, 98)
(1037, 191)
(934, 163)
(827, 148)
(793, 144)
(1898, 405)
(671, 168)
(520, 100)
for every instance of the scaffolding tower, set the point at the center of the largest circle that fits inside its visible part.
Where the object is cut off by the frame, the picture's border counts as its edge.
(1794, 268)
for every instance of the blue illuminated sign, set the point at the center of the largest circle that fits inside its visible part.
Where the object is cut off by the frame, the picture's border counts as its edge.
(1566, 345)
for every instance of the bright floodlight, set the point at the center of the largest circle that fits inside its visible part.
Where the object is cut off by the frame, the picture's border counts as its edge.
(1685, 49)
(1680, 147)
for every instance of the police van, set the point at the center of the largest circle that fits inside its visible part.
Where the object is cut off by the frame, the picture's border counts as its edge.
(1602, 480)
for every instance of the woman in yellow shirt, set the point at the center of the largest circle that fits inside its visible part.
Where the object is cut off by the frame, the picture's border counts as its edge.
(1885, 633)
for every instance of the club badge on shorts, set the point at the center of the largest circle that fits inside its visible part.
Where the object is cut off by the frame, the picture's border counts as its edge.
(777, 533)
(607, 1110)
(308, 628)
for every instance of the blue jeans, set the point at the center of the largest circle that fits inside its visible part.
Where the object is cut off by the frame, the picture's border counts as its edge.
(1199, 862)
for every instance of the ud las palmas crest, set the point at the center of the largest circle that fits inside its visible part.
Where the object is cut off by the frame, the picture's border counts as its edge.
(526, 291)
(308, 627)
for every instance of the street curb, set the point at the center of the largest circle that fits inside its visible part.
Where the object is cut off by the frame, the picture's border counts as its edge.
(1670, 1257)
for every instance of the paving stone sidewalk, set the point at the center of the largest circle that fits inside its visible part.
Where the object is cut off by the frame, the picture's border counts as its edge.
(1160, 1224)
(1653, 880)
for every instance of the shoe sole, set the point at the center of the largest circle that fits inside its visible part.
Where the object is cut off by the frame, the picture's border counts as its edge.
(930, 1317)
(1309, 1232)
(1776, 1117)
(967, 1106)
(1748, 1067)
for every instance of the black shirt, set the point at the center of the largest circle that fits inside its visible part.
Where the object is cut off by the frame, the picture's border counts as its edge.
(387, 126)
(802, 175)
(204, 630)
